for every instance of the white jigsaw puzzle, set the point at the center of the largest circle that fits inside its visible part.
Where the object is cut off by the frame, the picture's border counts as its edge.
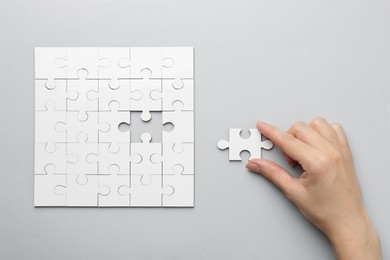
(82, 96)
(236, 144)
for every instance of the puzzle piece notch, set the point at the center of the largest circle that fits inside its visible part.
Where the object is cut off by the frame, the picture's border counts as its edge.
(236, 144)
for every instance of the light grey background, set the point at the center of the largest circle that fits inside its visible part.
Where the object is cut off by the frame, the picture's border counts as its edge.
(275, 60)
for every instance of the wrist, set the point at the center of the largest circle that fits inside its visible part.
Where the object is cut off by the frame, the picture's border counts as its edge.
(359, 241)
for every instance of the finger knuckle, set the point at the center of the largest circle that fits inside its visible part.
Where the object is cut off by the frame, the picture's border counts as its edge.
(317, 122)
(324, 161)
(337, 126)
(298, 125)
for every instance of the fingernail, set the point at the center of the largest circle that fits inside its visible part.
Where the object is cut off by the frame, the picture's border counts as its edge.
(253, 167)
(261, 123)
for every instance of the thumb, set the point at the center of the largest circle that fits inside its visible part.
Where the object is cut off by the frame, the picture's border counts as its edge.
(275, 174)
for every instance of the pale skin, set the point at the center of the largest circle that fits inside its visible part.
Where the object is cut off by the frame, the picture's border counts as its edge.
(328, 192)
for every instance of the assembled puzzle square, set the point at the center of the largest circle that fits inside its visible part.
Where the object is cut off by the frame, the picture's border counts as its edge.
(82, 96)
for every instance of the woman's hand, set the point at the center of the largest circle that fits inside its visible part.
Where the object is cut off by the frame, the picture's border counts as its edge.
(328, 192)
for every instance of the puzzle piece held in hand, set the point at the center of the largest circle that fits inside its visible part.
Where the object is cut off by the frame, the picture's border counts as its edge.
(236, 144)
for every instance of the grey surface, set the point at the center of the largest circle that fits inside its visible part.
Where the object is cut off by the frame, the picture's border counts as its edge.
(275, 60)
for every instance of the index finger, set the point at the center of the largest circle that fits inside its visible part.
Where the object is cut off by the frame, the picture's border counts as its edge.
(293, 147)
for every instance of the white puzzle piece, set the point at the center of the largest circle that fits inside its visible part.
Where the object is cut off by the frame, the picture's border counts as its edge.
(74, 126)
(113, 118)
(82, 190)
(146, 150)
(45, 127)
(80, 150)
(173, 160)
(170, 93)
(121, 159)
(183, 126)
(182, 64)
(114, 180)
(82, 86)
(145, 58)
(44, 185)
(143, 101)
(109, 65)
(107, 94)
(82, 58)
(57, 158)
(84, 156)
(236, 144)
(183, 194)
(46, 65)
(146, 194)
(55, 94)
